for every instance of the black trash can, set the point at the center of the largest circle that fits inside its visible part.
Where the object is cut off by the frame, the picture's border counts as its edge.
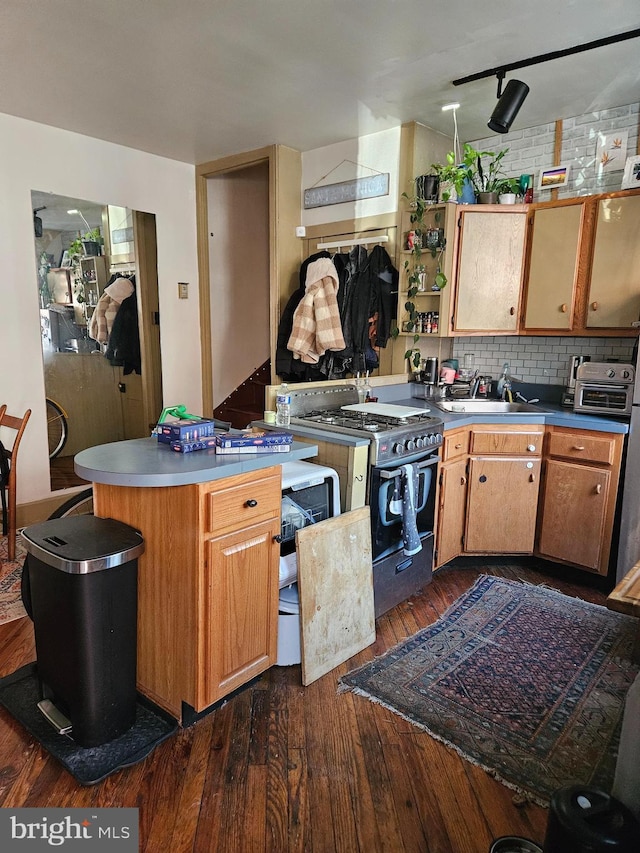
(82, 584)
(586, 820)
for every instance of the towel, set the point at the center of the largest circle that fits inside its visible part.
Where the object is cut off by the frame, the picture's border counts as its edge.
(409, 484)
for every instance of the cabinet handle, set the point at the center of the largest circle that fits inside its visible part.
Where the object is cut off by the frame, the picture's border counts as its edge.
(251, 502)
(564, 307)
(578, 447)
(594, 306)
(277, 538)
(463, 481)
(457, 446)
(512, 310)
(532, 478)
(598, 488)
(531, 448)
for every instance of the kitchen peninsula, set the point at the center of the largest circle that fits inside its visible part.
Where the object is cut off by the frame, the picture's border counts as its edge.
(208, 580)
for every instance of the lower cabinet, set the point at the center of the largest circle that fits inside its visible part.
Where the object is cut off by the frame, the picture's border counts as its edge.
(207, 583)
(499, 495)
(502, 505)
(504, 480)
(579, 495)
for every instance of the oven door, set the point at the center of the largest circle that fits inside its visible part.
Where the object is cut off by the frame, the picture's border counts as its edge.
(388, 514)
(603, 398)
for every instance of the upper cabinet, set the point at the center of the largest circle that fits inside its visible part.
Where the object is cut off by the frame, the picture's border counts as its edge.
(490, 258)
(582, 266)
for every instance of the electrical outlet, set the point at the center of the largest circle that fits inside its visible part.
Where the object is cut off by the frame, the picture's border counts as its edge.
(183, 290)
(301, 231)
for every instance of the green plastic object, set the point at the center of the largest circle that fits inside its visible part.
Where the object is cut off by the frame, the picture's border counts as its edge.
(179, 412)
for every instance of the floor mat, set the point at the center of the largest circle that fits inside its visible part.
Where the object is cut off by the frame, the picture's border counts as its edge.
(19, 694)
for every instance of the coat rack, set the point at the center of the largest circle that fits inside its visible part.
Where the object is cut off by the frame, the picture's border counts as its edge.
(363, 241)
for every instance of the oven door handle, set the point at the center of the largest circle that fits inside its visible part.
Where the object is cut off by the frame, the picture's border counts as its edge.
(391, 475)
(424, 474)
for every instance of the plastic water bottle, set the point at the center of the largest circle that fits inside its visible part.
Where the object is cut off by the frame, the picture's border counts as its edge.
(283, 406)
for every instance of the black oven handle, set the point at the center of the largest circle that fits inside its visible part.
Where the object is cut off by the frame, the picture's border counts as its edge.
(391, 475)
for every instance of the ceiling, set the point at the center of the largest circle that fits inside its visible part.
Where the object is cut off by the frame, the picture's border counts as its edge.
(195, 80)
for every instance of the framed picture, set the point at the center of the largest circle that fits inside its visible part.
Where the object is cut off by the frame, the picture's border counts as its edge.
(65, 260)
(556, 176)
(631, 176)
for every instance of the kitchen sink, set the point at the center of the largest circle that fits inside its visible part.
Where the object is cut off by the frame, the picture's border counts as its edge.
(488, 407)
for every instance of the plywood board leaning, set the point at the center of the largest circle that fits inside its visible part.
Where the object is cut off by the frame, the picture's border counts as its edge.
(335, 583)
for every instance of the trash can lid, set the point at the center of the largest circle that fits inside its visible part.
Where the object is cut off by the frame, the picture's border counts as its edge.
(83, 543)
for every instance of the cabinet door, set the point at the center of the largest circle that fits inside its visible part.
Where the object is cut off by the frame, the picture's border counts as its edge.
(614, 295)
(451, 511)
(489, 274)
(553, 267)
(502, 505)
(574, 514)
(238, 633)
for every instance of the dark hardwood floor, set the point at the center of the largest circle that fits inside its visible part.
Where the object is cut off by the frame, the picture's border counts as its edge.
(285, 768)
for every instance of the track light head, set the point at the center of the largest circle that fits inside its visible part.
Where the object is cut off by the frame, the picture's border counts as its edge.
(508, 105)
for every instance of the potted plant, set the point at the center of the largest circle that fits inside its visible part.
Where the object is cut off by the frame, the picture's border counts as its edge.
(91, 242)
(507, 190)
(479, 172)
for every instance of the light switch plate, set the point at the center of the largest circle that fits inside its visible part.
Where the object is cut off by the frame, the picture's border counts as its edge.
(183, 290)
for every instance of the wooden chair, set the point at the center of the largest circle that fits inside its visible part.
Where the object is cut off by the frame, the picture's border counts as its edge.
(8, 479)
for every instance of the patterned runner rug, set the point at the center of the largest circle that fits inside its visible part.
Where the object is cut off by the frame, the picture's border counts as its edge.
(10, 578)
(521, 680)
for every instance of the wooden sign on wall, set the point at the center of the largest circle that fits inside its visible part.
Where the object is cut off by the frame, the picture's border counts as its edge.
(347, 191)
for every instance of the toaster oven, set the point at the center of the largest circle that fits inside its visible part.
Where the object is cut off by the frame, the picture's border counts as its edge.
(604, 388)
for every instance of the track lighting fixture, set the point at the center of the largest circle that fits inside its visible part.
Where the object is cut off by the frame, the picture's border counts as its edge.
(515, 92)
(509, 102)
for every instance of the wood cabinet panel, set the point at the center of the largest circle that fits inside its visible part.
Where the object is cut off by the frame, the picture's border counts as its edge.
(207, 606)
(574, 514)
(508, 440)
(502, 505)
(489, 271)
(252, 499)
(614, 292)
(240, 610)
(455, 444)
(452, 507)
(585, 447)
(553, 266)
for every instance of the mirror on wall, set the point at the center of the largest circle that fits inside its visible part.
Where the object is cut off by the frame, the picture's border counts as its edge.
(99, 322)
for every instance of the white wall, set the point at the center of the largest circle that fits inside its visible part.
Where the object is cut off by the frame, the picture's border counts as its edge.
(344, 161)
(34, 156)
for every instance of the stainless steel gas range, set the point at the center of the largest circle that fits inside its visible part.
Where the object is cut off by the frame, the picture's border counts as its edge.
(402, 478)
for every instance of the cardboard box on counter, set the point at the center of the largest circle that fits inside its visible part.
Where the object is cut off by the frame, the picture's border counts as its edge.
(255, 448)
(253, 438)
(189, 446)
(186, 430)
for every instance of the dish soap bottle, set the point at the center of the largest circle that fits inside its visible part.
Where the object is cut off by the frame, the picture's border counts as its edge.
(283, 406)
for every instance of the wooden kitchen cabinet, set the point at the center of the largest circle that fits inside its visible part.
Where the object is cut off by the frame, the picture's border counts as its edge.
(581, 475)
(504, 480)
(489, 269)
(581, 267)
(207, 583)
(452, 497)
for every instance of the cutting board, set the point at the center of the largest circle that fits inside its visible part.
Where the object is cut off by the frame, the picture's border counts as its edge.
(335, 586)
(387, 410)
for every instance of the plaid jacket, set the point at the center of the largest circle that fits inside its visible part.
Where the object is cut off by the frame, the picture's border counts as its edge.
(316, 321)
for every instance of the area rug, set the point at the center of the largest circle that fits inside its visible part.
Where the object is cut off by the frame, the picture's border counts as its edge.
(10, 580)
(521, 680)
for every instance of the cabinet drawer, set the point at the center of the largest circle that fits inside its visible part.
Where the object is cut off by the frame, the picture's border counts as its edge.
(242, 502)
(454, 445)
(508, 442)
(589, 447)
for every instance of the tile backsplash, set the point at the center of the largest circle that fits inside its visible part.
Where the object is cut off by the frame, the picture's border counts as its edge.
(541, 360)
